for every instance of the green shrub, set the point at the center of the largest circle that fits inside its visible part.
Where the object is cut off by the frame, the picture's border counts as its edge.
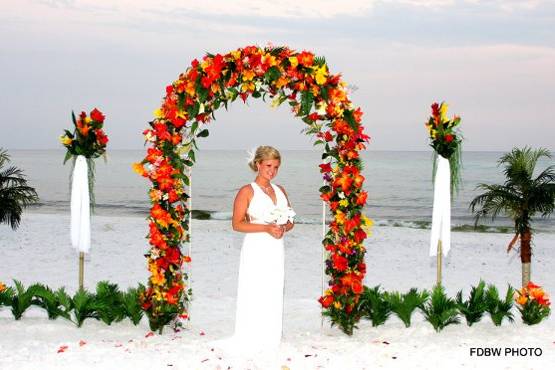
(84, 306)
(498, 308)
(403, 305)
(6, 296)
(474, 307)
(374, 306)
(440, 310)
(132, 305)
(108, 302)
(50, 301)
(23, 298)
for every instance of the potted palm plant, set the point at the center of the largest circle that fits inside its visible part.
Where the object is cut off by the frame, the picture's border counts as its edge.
(15, 193)
(521, 197)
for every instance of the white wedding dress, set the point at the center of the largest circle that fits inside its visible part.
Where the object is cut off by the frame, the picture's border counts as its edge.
(259, 315)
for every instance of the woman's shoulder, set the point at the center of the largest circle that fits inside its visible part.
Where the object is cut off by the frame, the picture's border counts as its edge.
(246, 190)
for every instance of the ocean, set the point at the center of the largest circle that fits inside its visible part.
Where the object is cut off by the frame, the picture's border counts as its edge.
(399, 184)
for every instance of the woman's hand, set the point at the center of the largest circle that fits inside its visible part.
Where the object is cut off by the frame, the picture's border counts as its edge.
(275, 230)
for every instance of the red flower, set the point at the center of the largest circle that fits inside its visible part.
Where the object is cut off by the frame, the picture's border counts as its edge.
(325, 167)
(326, 301)
(328, 136)
(101, 137)
(360, 235)
(340, 263)
(357, 115)
(435, 110)
(449, 138)
(357, 287)
(97, 115)
(361, 198)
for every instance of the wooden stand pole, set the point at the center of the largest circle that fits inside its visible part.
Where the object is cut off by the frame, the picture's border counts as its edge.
(81, 269)
(439, 261)
(323, 262)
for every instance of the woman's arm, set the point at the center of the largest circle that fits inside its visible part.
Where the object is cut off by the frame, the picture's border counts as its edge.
(239, 220)
(289, 225)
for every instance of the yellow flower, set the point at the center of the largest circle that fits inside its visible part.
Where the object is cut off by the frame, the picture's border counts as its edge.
(367, 225)
(320, 74)
(344, 203)
(236, 54)
(340, 217)
(249, 86)
(443, 112)
(294, 62)
(337, 305)
(269, 59)
(64, 139)
(138, 168)
(158, 113)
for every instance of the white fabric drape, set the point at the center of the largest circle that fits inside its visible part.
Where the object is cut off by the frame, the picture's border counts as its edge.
(80, 207)
(441, 216)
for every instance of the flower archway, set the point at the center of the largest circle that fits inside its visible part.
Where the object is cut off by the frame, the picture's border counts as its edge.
(320, 100)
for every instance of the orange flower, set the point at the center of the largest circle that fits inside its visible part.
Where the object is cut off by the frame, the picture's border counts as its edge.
(344, 181)
(161, 216)
(138, 168)
(306, 58)
(2, 287)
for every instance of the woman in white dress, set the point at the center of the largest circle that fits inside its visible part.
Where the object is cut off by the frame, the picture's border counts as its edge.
(258, 321)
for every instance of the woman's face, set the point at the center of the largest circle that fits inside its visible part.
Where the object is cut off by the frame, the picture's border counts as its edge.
(268, 168)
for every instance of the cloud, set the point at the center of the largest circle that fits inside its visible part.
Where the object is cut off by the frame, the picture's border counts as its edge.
(239, 8)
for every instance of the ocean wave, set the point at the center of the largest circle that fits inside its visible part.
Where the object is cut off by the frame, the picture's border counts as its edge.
(459, 224)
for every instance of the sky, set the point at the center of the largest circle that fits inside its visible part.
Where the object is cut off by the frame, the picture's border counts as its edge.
(492, 61)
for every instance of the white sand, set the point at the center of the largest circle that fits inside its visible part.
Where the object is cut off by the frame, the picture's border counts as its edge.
(397, 258)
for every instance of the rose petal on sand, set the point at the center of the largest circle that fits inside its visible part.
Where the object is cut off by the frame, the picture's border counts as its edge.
(149, 334)
(62, 349)
(82, 343)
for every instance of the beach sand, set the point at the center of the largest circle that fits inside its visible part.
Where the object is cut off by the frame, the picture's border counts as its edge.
(397, 259)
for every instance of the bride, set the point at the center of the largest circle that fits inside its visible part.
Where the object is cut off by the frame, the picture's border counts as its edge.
(262, 211)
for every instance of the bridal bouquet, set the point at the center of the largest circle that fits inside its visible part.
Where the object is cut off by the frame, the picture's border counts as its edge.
(280, 216)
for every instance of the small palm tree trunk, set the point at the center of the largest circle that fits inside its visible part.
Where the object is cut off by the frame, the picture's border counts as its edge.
(525, 255)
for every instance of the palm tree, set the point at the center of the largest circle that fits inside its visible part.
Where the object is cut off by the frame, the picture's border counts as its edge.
(520, 198)
(15, 194)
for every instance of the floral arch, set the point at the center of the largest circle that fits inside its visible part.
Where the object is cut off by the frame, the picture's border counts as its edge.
(320, 100)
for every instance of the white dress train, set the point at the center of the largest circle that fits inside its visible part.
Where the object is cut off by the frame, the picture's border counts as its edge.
(259, 314)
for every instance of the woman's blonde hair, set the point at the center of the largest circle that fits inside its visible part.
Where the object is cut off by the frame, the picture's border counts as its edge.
(262, 153)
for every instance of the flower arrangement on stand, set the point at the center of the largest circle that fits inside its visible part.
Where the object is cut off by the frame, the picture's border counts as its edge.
(447, 143)
(320, 100)
(533, 304)
(446, 140)
(86, 142)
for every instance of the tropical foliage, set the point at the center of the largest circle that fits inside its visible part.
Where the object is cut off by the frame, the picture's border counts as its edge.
(15, 193)
(499, 308)
(521, 197)
(474, 307)
(440, 310)
(319, 99)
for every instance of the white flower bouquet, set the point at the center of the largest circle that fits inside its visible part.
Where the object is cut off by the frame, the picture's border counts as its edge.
(280, 216)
